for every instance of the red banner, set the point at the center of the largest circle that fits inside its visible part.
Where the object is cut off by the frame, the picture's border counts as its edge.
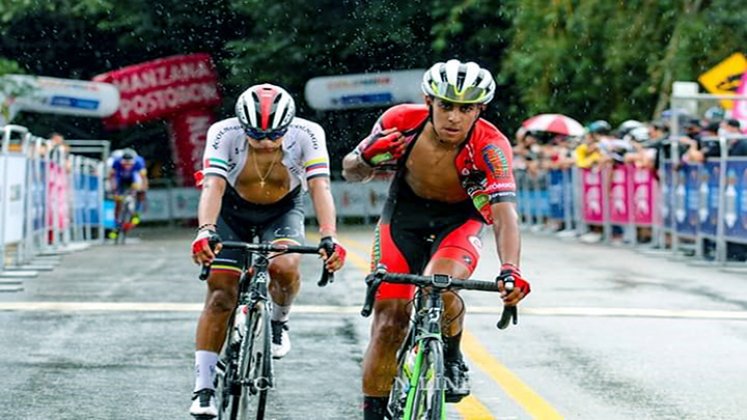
(187, 132)
(162, 87)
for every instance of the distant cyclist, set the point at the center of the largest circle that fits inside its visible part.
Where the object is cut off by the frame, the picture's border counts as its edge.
(127, 175)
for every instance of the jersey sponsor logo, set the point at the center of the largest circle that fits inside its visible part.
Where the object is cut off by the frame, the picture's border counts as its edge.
(502, 195)
(503, 186)
(496, 161)
(475, 241)
(480, 200)
(223, 131)
(312, 137)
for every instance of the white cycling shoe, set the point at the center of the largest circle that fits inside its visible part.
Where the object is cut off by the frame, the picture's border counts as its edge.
(203, 405)
(281, 344)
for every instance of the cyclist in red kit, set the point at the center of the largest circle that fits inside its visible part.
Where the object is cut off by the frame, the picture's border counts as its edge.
(452, 176)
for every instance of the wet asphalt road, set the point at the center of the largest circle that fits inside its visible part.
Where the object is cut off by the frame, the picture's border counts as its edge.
(607, 333)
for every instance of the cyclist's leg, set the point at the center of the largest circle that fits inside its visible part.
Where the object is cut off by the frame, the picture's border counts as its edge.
(456, 253)
(220, 301)
(285, 273)
(137, 190)
(288, 228)
(391, 315)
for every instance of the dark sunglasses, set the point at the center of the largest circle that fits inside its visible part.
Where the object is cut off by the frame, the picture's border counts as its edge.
(261, 134)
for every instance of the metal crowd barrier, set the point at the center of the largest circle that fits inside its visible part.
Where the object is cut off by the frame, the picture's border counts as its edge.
(50, 202)
(686, 207)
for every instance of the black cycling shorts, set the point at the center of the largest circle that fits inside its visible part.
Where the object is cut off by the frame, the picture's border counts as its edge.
(242, 221)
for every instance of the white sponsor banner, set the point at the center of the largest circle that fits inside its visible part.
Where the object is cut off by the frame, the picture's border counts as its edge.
(364, 90)
(351, 200)
(65, 96)
(13, 175)
(158, 206)
(184, 203)
(354, 199)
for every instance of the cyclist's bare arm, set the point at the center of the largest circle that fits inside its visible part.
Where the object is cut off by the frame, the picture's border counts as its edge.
(324, 205)
(507, 236)
(354, 169)
(210, 200)
(507, 239)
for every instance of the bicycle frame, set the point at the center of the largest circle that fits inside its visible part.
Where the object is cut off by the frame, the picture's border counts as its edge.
(424, 327)
(252, 291)
(241, 374)
(424, 339)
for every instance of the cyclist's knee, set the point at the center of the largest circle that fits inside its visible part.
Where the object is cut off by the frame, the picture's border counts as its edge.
(391, 322)
(285, 268)
(453, 306)
(221, 301)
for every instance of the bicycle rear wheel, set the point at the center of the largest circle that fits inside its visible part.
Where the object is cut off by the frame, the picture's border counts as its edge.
(426, 400)
(256, 364)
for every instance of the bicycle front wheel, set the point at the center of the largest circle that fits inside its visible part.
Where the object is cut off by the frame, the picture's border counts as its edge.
(426, 399)
(256, 364)
(124, 217)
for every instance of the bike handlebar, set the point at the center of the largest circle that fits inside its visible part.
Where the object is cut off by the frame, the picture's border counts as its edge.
(265, 248)
(438, 281)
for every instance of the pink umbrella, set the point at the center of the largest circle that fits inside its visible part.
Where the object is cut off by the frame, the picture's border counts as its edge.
(554, 123)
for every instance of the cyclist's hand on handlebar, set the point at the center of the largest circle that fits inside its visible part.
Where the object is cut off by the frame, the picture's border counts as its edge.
(520, 286)
(332, 252)
(383, 146)
(205, 246)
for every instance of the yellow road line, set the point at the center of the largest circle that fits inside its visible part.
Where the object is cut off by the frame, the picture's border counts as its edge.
(532, 403)
(470, 407)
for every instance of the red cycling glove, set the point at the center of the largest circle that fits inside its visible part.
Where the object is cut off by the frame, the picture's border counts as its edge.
(206, 239)
(383, 147)
(330, 246)
(510, 270)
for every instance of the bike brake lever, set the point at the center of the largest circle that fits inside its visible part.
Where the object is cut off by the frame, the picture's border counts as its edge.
(327, 277)
(510, 313)
(205, 272)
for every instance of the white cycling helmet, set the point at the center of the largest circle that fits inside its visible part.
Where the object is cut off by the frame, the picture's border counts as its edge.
(454, 81)
(265, 111)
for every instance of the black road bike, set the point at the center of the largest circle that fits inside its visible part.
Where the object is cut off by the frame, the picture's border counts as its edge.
(244, 373)
(419, 384)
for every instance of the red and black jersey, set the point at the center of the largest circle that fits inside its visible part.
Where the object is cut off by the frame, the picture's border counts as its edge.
(484, 162)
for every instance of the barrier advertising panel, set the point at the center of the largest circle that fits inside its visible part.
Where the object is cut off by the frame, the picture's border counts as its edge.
(13, 193)
(556, 197)
(591, 190)
(709, 198)
(643, 196)
(619, 211)
(735, 202)
(686, 199)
